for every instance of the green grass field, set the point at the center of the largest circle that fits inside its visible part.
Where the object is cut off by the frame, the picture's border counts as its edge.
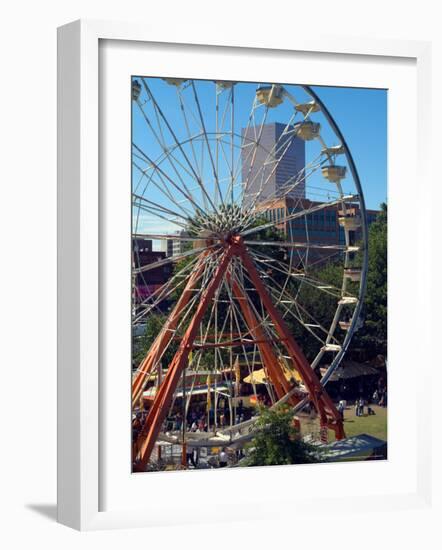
(375, 425)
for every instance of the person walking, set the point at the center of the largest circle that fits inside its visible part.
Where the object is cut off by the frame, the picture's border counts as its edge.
(341, 409)
(223, 458)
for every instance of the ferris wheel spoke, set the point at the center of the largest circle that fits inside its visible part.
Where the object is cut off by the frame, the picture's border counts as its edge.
(173, 162)
(139, 200)
(296, 215)
(239, 320)
(296, 180)
(169, 127)
(173, 259)
(274, 156)
(311, 324)
(165, 291)
(156, 216)
(287, 304)
(221, 131)
(292, 244)
(209, 151)
(276, 153)
(270, 338)
(198, 166)
(160, 353)
(161, 187)
(280, 267)
(166, 237)
(255, 149)
(277, 196)
(183, 109)
(183, 191)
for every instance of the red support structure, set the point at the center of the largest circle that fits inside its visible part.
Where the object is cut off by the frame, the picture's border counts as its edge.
(270, 361)
(329, 416)
(319, 396)
(164, 337)
(164, 396)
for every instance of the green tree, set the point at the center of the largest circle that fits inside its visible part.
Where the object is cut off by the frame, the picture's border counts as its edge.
(315, 305)
(142, 345)
(277, 441)
(371, 339)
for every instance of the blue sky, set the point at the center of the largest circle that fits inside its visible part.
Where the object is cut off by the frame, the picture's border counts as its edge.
(361, 115)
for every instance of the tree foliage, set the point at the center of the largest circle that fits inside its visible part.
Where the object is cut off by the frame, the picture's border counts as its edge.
(278, 442)
(372, 337)
(142, 345)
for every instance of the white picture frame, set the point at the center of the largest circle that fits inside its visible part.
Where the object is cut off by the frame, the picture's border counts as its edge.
(80, 397)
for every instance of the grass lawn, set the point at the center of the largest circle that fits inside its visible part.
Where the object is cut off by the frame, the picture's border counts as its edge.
(375, 425)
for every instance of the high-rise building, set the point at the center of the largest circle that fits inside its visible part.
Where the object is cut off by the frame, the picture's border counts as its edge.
(271, 169)
(167, 246)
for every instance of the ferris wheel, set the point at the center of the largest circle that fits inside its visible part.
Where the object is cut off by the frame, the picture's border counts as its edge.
(256, 191)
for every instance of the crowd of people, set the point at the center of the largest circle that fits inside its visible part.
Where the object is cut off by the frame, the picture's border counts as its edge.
(198, 419)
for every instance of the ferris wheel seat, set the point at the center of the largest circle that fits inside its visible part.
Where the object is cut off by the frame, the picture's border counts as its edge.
(334, 150)
(350, 223)
(306, 108)
(224, 84)
(348, 301)
(332, 347)
(334, 173)
(271, 96)
(353, 273)
(136, 90)
(175, 81)
(307, 130)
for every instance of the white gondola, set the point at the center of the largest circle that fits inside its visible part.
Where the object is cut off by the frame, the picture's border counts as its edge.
(348, 301)
(307, 130)
(136, 90)
(272, 96)
(224, 84)
(345, 325)
(353, 273)
(307, 108)
(334, 173)
(331, 347)
(334, 150)
(350, 223)
(175, 81)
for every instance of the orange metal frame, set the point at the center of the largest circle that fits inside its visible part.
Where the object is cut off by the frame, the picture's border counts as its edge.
(329, 416)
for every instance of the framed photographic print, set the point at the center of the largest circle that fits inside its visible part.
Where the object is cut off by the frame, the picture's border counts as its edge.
(229, 214)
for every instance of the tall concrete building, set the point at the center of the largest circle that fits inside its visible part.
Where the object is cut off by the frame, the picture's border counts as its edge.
(167, 247)
(259, 175)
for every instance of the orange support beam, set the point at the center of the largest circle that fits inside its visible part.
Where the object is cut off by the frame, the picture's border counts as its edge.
(270, 361)
(164, 337)
(317, 392)
(164, 396)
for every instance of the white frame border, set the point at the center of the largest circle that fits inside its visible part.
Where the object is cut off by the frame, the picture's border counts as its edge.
(78, 248)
